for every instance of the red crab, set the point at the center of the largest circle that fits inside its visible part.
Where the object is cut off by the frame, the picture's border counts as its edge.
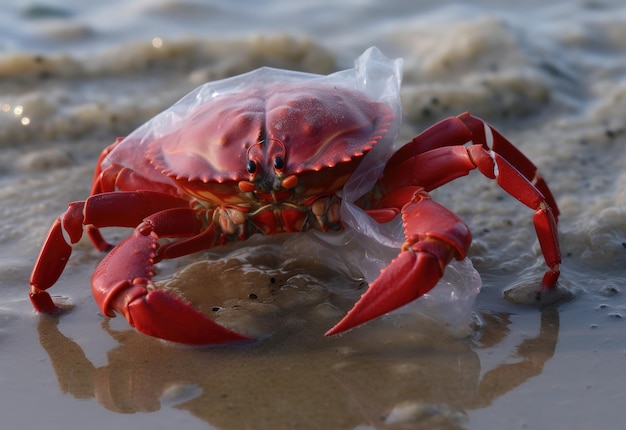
(274, 151)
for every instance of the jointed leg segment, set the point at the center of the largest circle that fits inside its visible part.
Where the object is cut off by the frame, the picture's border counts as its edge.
(434, 235)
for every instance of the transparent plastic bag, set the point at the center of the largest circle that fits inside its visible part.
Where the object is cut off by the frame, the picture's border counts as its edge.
(379, 78)
(374, 75)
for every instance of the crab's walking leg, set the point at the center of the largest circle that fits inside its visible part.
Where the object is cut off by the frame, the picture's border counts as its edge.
(434, 235)
(122, 283)
(457, 145)
(498, 159)
(122, 280)
(122, 209)
(444, 152)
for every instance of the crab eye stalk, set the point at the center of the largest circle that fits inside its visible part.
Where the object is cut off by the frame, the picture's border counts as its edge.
(251, 167)
(279, 163)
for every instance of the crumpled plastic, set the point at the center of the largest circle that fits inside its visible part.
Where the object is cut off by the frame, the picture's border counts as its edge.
(378, 77)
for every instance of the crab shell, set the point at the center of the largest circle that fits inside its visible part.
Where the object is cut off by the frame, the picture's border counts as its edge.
(312, 134)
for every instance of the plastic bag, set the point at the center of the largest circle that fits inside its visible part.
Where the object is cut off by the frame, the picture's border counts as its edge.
(379, 78)
(374, 74)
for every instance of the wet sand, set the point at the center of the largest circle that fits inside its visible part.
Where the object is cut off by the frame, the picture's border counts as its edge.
(551, 80)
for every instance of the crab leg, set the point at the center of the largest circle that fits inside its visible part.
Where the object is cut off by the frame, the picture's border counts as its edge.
(121, 209)
(458, 131)
(457, 145)
(122, 283)
(434, 235)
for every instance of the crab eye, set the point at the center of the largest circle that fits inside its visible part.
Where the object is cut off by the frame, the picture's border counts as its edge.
(251, 167)
(279, 163)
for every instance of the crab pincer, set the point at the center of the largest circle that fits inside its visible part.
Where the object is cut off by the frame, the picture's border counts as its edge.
(122, 282)
(434, 235)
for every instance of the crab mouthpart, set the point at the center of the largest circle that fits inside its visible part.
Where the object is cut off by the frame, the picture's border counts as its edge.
(289, 182)
(279, 184)
(246, 186)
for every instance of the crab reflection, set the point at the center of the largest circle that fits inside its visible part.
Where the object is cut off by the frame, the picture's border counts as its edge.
(379, 376)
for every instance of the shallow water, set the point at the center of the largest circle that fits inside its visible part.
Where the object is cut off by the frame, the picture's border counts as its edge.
(76, 74)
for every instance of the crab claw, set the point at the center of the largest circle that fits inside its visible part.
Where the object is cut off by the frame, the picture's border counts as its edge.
(409, 276)
(434, 235)
(122, 283)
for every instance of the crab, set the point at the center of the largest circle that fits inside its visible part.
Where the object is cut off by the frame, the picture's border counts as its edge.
(275, 151)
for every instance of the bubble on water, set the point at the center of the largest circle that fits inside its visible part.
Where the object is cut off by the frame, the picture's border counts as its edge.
(610, 290)
(177, 394)
(418, 412)
(327, 311)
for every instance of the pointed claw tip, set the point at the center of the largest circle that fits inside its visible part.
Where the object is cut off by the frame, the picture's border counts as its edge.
(217, 335)
(343, 326)
(333, 331)
(166, 316)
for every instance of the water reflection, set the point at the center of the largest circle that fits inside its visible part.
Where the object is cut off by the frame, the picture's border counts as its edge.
(379, 377)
